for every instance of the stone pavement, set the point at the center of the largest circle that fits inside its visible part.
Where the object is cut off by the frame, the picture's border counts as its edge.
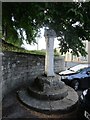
(12, 109)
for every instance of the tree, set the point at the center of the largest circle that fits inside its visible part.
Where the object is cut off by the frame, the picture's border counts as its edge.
(71, 22)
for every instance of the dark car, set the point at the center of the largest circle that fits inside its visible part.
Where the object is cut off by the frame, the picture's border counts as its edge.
(85, 104)
(77, 76)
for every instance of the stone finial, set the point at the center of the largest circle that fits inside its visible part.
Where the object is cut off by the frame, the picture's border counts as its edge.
(49, 33)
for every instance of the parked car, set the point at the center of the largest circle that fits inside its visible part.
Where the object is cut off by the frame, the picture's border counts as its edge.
(85, 104)
(77, 76)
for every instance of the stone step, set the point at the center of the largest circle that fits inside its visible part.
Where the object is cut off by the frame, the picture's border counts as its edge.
(64, 105)
(51, 94)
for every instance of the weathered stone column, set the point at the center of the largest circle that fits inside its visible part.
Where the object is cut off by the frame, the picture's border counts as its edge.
(88, 52)
(49, 59)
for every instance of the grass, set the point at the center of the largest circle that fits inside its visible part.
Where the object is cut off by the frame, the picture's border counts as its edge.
(4, 46)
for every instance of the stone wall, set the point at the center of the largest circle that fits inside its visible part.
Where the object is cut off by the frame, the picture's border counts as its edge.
(21, 68)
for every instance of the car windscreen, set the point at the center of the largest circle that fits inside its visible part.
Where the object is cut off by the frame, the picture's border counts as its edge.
(77, 68)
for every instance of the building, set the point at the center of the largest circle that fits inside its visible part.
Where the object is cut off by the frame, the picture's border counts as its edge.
(70, 57)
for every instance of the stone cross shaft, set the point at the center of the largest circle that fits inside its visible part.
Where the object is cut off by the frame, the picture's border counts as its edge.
(89, 52)
(49, 58)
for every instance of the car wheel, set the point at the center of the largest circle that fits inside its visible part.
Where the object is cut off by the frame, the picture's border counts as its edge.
(75, 84)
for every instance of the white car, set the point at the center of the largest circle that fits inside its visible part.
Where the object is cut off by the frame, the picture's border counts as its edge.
(77, 76)
(74, 69)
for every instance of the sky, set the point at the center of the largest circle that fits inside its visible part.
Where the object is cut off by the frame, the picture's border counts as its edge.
(41, 43)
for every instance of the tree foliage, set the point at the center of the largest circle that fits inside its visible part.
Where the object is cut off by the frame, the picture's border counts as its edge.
(71, 22)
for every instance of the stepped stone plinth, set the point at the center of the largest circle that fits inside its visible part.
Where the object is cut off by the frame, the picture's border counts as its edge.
(49, 95)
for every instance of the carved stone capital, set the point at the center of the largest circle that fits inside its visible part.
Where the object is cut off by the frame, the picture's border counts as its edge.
(49, 33)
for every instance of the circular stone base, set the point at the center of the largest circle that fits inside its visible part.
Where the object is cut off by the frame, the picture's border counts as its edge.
(50, 106)
(51, 94)
(45, 83)
(72, 115)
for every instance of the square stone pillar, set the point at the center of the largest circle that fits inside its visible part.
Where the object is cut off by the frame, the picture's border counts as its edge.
(89, 52)
(49, 58)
